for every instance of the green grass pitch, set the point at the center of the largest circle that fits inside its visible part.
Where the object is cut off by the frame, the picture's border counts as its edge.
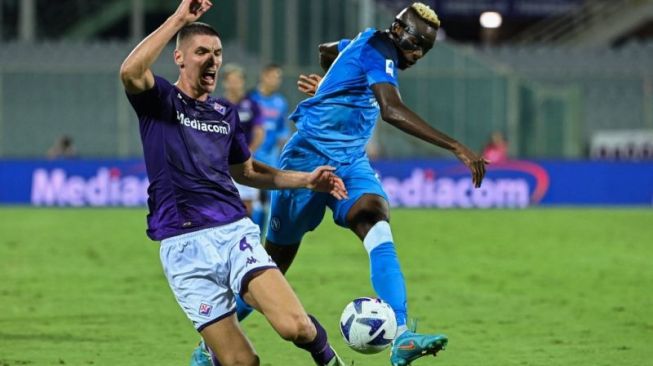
(509, 287)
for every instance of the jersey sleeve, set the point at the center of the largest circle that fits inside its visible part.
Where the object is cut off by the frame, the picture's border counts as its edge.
(153, 102)
(378, 59)
(239, 150)
(343, 43)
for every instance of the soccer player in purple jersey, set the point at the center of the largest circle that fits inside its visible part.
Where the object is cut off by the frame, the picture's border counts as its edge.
(193, 145)
(251, 121)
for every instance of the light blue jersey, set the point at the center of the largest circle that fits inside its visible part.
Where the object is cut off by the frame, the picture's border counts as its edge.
(333, 128)
(274, 110)
(340, 118)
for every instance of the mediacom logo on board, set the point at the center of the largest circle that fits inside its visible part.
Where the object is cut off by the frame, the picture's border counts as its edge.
(107, 188)
(518, 184)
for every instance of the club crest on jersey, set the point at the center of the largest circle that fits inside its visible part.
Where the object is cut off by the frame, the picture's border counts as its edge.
(275, 223)
(205, 309)
(390, 67)
(219, 108)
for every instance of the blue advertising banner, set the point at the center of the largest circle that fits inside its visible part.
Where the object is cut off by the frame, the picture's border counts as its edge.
(73, 182)
(409, 183)
(519, 183)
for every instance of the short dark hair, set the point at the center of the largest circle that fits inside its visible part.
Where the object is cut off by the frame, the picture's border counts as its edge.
(196, 28)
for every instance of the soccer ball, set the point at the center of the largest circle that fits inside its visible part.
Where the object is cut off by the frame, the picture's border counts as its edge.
(368, 325)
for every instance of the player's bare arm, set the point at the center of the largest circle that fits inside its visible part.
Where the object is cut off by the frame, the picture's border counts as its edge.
(258, 134)
(135, 71)
(256, 174)
(395, 112)
(328, 54)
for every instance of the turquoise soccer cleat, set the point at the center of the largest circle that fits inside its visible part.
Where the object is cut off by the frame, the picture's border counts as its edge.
(410, 346)
(201, 356)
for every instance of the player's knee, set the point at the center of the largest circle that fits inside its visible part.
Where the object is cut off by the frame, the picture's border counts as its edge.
(296, 328)
(364, 219)
(368, 211)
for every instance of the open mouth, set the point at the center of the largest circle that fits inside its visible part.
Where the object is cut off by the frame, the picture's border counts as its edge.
(208, 76)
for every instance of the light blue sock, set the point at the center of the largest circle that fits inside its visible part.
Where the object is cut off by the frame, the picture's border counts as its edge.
(242, 309)
(387, 279)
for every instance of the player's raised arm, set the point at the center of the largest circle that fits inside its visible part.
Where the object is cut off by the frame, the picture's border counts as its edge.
(256, 174)
(135, 71)
(395, 112)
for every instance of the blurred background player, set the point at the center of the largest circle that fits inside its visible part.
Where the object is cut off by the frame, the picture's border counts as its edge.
(334, 126)
(496, 150)
(192, 147)
(274, 109)
(233, 84)
(63, 148)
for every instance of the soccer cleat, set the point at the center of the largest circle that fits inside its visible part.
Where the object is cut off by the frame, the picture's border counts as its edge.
(410, 346)
(201, 356)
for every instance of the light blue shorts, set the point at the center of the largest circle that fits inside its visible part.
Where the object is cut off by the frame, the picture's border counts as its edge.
(206, 268)
(295, 212)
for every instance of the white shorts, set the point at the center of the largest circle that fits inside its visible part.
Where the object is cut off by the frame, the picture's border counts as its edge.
(206, 268)
(247, 193)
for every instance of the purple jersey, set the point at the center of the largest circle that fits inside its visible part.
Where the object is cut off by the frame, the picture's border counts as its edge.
(250, 116)
(188, 147)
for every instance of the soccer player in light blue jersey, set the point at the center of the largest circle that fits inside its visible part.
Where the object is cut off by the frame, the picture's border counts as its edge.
(333, 127)
(274, 109)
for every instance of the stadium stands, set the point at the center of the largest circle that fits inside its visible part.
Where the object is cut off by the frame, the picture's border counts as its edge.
(548, 100)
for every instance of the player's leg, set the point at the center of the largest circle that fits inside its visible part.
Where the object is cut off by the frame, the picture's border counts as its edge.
(282, 254)
(230, 344)
(270, 293)
(293, 214)
(196, 274)
(255, 277)
(366, 213)
(368, 218)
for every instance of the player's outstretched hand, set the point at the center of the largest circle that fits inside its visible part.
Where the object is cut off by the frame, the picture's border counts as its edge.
(322, 179)
(191, 10)
(474, 162)
(308, 84)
